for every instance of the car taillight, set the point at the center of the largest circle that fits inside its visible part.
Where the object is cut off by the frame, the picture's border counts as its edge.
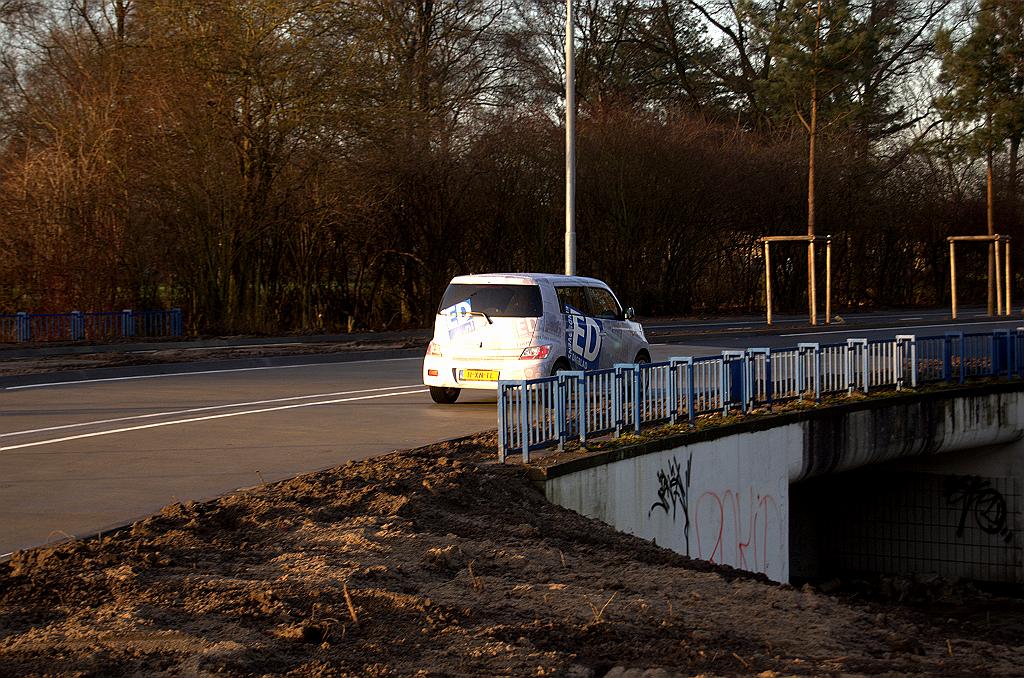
(535, 353)
(433, 348)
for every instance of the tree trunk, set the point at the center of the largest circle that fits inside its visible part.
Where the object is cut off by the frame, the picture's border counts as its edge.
(1012, 182)
(990, 219)
(812, 133)
(1012, 209)
(810, 164)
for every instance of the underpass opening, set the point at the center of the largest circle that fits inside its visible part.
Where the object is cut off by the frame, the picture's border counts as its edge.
(954, 515)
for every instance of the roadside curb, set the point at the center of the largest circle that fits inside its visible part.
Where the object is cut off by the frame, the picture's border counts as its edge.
(199, 366)
(9, 352)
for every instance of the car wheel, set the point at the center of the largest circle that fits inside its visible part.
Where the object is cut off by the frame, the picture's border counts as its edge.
(561, 365)
(444, 395)
(642, 358)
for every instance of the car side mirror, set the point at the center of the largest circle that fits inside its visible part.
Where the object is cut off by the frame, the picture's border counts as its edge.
(629, 314)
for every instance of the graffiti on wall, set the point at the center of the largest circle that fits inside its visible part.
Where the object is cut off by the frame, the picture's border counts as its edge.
(673, 491)
(742, 529)
(976, 498)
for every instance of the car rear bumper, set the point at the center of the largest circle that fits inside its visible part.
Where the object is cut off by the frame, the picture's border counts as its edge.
(450, 372)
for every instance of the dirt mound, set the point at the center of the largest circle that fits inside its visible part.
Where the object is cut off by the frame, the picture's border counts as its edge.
(430, 562)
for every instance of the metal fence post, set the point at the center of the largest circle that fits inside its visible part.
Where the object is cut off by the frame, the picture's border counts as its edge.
(582, 403)
(748, 382)
(560, 391)
(691, 394)
(903, 341)
(1011, 353)
(817, 373)
(687, 364)
(1007, 352)
(637, 397)
(1001, 343)
(848, 360)
(24, 327)
(1019, 351)
(993, 345)
(177, 324)
(852, 347)
(913, 361)
(127, 323)
(502, 423)
(751, 377)
(726, 379)
(673, 391)
(950, 354)
(815, 350)
(77, 326)
(620, 380)
(722, 386)
(801, 374)
(865, 359)
(524, 411)
(618, 402)
(947, 359)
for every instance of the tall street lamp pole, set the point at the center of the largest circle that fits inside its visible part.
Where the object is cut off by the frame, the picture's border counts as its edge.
(570, 145)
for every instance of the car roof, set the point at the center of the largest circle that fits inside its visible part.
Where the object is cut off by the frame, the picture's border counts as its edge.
(525, 279)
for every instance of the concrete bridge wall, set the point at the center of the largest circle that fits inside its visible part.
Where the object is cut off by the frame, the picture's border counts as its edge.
(725, 494)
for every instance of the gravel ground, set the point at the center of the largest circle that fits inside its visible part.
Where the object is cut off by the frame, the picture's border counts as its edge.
(437, 561)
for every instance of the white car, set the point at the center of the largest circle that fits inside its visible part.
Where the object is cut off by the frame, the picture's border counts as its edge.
(523, 326)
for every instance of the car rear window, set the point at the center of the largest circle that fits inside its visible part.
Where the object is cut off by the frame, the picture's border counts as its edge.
(497, 301)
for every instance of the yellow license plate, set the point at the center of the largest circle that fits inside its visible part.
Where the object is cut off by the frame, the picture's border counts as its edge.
(480, 375)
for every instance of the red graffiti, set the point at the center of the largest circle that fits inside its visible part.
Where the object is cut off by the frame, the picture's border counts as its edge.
(755, 524)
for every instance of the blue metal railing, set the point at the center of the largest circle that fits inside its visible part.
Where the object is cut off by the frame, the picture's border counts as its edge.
(546, 413)
(78, 326)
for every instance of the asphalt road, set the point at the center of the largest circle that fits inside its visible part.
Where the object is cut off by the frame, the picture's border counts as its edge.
(83, 453)
(82, 456)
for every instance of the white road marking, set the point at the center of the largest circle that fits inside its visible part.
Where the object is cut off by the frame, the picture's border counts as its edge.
(186, 374)
(191, 420)
(201, 409)
(898, 327)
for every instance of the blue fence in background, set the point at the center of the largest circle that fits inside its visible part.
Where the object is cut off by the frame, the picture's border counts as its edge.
(78, 326)
(548, 412)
